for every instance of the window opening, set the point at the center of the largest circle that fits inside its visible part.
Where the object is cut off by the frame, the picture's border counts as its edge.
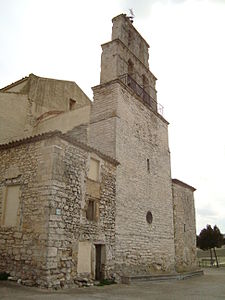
(92, 210)
(149, 217)
(148, 165)
(72, 104)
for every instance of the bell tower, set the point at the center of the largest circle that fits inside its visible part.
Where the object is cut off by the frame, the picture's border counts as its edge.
(127, 125)
(126, 57)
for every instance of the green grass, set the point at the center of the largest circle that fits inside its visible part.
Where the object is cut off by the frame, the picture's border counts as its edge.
(106, 282)
(202, 255)
(220, 253)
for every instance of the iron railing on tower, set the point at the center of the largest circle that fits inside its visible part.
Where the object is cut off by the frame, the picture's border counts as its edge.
(139, 90)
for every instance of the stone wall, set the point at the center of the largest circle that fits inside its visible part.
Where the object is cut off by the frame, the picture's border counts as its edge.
(103, 119)
(114, 64)
(184, 226)
(52, 174)
(80, 133)
(138, 135)
(49, 94)
(23, 248)
(36, 105)
(13, 115)
(125, 31)
(66, 212)
(127, 48)
(65, 122)
(71, 226)
(123, 126)
(142, 135)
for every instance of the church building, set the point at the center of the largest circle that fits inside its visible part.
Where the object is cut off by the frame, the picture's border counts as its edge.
(85, 186)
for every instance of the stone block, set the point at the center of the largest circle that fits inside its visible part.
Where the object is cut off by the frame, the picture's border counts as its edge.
(51, 251)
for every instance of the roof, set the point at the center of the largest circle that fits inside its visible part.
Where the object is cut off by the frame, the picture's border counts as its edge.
(59, 134)
(30, 76)
(183, 184)
(11, 85)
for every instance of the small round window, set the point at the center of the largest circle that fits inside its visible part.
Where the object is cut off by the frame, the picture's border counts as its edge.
(149, 217)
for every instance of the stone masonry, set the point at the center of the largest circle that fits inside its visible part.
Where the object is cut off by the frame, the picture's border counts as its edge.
(137, 136)
(35, 105)
(85, 187)
(51, 172)
(184, 226)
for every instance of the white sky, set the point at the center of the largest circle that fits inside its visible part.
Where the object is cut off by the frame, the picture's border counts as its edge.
(61, 39)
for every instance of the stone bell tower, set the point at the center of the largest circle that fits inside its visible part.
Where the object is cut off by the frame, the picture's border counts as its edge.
(126, 124)
(126, 57)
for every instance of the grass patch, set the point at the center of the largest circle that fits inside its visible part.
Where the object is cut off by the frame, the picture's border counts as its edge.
(4, 276)
(106, 282)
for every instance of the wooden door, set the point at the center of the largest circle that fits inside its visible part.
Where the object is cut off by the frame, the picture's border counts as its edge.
(98, 262)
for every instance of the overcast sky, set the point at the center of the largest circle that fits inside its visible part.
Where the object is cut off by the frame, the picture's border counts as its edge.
(61, 39)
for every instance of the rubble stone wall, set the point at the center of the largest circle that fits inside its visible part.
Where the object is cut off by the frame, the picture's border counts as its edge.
(23, 248)
(71, 226)
(52, 173)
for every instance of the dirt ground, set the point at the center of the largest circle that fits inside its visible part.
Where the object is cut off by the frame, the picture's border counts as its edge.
(209, 286)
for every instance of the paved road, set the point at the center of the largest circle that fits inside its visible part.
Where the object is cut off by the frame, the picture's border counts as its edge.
(207, 287)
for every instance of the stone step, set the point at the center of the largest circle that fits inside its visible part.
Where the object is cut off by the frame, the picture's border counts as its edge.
(161, 277)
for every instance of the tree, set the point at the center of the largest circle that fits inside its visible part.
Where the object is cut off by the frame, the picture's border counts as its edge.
(210, 238)
(217, 241)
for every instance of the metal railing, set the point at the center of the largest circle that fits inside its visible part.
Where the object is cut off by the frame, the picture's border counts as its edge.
(139, 91)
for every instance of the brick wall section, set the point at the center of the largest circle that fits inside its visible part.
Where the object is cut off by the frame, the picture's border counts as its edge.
(184, 227)
(140, 135)
(43, 250)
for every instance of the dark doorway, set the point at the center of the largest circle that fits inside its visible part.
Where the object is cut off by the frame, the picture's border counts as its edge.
(98, 262)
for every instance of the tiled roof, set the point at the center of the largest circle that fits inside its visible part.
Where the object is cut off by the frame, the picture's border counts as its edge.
(183, 184)
(13, 84)
(57, 133)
